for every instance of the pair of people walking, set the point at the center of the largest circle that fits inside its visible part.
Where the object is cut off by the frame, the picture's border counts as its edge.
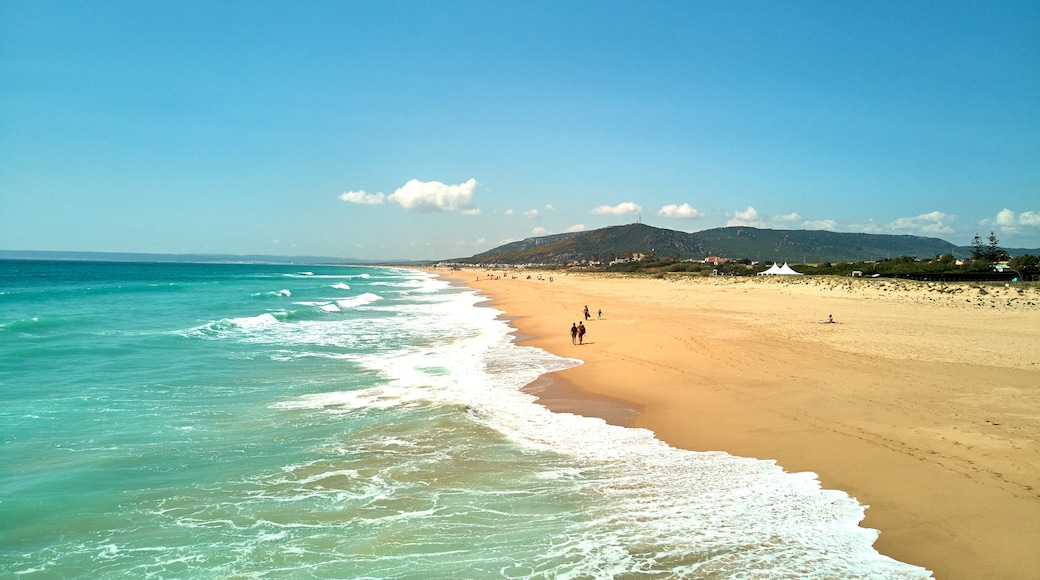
(577, 332)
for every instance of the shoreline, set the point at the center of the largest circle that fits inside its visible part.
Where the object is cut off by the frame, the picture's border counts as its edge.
(923, 404)
(552, 390)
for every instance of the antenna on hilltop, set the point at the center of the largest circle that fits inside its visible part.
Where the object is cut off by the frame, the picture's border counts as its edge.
(639, 220)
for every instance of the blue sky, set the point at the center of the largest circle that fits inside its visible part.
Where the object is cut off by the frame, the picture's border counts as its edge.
(428, 130)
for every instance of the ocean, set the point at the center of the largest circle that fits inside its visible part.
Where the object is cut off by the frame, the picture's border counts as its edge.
(167, 420)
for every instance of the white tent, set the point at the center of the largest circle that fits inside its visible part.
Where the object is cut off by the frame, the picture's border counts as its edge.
(775, 270)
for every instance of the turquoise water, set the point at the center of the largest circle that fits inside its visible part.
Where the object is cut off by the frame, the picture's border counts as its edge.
(266, 421)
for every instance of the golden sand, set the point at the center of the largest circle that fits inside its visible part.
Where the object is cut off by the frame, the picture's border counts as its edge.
(922, 401)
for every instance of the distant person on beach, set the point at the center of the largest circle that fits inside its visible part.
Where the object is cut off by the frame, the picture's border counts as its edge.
(599, 314)
(581, 332)
(587, 316)
(574, 332)
(830, 320)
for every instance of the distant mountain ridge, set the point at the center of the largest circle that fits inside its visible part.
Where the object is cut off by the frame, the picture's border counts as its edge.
(762, 245)
(146, 257)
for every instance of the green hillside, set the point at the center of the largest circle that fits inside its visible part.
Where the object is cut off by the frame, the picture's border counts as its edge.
(761, 245)
(602, 244)
(810, 246)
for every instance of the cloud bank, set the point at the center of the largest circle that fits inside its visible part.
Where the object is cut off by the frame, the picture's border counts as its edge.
(624, 208)
(934, 223)
(422, 196)
(427, 196)
(684, 211)
(1009, 222)
(362, 197)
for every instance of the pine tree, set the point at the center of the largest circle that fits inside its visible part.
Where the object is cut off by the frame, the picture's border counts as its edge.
(996, 254)
(978, 249)
(988, 251)
(993, 248)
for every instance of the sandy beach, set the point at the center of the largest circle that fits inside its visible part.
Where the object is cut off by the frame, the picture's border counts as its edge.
(922, 400)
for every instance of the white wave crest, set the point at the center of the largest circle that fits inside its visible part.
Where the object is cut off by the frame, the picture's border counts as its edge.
(407, 284)
(231, 325)
(354, 302)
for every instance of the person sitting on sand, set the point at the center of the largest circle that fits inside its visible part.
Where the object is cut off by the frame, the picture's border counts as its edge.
(830, 320)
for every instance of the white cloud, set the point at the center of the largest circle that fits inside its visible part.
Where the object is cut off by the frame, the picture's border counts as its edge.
(751, 218)
(624, 208)
(531, 214)
(1029, 218)
(539, 231)
(748, 217)
(679, 211)
(829, 225)
(1006, 218)
(509, 212)
(432, 196)
(932, 223)
(474, 211)
(362, 197)
(549, 206)
(1009, 222)
(576, 228)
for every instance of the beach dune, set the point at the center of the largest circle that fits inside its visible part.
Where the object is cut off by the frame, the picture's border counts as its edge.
(922, 400)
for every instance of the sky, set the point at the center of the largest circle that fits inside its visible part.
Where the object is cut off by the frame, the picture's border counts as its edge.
(400, 130)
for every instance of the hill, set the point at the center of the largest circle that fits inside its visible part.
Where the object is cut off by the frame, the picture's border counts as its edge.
(601, 244)
(597, 244)
(810, 246)
(761, 245)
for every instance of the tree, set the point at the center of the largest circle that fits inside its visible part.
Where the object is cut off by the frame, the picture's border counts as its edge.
(995, 253)
(1027, 264)
(988, 251)
(978, 249)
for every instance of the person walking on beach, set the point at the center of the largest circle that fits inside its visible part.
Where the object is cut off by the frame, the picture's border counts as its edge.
(574, 332)
(599, 314)
(587, 316)
(581, 332)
